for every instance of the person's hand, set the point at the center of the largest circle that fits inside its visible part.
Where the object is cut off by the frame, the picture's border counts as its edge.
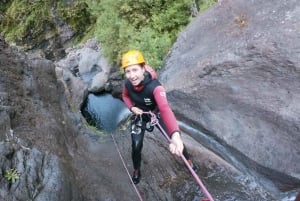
(176, 145)
(137, 111)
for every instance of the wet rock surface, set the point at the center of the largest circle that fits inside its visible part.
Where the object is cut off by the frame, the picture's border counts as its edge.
(239, 82)
(58, 157)
(51, 149)
(239, 85)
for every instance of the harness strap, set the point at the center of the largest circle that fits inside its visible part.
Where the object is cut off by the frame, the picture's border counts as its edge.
(144, 124)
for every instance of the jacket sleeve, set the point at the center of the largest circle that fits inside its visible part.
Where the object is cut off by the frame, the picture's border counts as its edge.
(126, 98)
(166, 113)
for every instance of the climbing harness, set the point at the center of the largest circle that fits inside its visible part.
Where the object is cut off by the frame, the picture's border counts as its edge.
(154, 121)
(138, 124)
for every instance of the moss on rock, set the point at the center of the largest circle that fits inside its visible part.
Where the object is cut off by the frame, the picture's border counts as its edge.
(30, 23)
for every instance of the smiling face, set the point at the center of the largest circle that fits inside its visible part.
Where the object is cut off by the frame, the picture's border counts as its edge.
(135, 74)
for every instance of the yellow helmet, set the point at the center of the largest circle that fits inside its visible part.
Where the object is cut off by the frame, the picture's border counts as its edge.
(132, 57)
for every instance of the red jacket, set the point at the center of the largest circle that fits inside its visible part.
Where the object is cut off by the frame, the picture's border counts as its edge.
(148, 95)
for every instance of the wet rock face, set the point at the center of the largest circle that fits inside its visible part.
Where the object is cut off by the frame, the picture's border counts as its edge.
(55, 156)
(84, 70)
(31, 130)
(38, 176)
(234, 73)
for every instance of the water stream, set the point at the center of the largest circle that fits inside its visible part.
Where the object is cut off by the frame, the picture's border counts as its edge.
(104, 111)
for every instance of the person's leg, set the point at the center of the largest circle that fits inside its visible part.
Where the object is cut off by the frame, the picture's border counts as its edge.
(137, 138)
(137, 146)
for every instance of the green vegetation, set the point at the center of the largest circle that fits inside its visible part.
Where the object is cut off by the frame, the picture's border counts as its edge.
(24, 19)
(3, 7)
(150, 26)
(102, 134)
(205, 4)
(12, 175)
(77, 16)
(29, 23)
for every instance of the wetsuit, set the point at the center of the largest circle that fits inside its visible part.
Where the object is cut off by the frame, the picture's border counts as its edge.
(149, 95)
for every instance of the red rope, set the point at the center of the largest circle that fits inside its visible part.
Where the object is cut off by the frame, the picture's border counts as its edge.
(154, 121)
(135, 188)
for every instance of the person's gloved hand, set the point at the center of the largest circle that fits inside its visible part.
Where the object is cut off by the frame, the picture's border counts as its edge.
(176, 145)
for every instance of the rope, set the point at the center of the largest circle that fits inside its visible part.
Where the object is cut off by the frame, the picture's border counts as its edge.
(154, 121)
(135, 188)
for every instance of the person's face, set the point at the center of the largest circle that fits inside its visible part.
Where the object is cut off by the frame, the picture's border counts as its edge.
(135, 74)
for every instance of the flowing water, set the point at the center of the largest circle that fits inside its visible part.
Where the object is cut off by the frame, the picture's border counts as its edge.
(104, 111)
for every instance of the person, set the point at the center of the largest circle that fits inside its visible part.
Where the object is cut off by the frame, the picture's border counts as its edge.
(141, 93)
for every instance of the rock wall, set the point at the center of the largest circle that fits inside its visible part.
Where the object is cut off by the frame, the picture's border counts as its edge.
(234, 73)
(32, 140)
